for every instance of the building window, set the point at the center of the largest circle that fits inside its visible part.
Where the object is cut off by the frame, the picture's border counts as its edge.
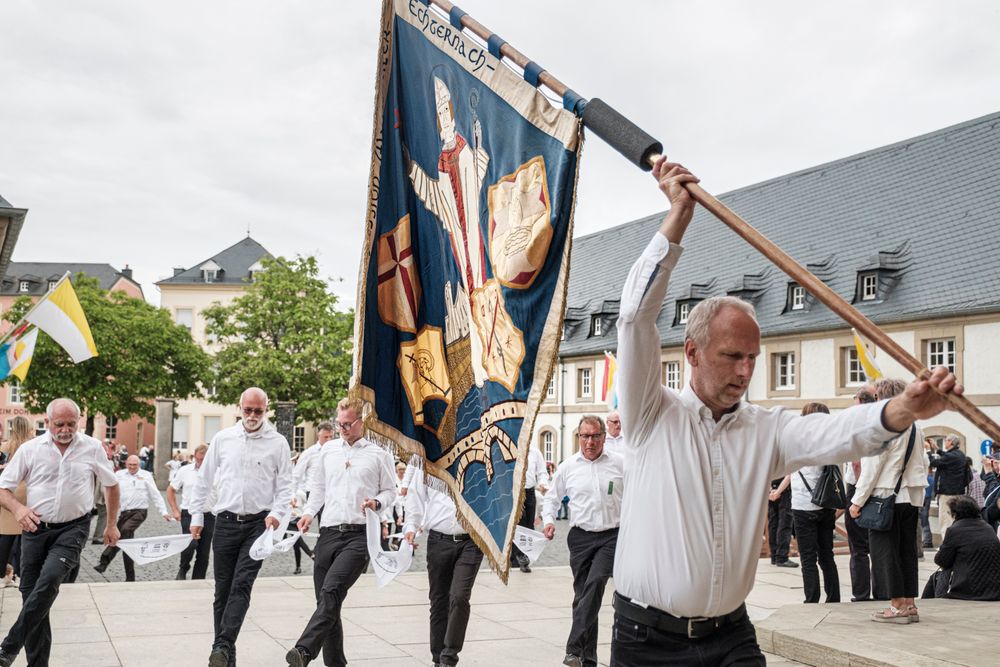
(180, 440)
(184, 317)
(683, 310)
(111, 428)
(941, 352)
(784, 370)
(299, 439)
(672, 374)
(39, 427)
(212, 426)
(23, 286)
(208, 275)
(854, 372)
(550, 391)
(796, 297)
(15, 392)
(596, 326)
(548, 446)
(52, 284)
(869, 286)
(584, 389)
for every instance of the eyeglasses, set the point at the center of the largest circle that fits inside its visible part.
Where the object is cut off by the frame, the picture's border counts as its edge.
(343, 426)
(593, 437)
(253, 411)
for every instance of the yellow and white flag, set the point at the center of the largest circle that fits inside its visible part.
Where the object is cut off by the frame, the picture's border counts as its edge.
(24, 348)
(872, 371)
(60, 315)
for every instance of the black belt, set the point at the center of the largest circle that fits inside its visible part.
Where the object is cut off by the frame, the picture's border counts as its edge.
(243, 518)
(693, 628)
(345, 527)
(48, 525)
(451, 538)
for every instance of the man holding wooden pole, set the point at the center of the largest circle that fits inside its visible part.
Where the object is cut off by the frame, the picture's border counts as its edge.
(692, 511)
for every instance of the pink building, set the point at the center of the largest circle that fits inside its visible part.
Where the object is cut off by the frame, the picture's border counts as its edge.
(34, 279)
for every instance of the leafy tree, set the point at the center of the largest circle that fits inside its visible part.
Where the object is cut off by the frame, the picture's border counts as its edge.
(285, 335)
(142, 354)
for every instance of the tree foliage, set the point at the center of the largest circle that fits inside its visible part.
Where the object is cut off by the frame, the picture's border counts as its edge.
(142, 355)
(285, 335)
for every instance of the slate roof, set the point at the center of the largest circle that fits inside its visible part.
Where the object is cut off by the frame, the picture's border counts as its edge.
(40, 273)
(924, 213)
(235, 262)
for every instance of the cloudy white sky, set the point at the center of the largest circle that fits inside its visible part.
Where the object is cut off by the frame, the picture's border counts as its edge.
(154, 133)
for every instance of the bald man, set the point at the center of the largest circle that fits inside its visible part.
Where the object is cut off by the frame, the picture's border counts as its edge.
(249, 465)
(58, 469)
(137, 491)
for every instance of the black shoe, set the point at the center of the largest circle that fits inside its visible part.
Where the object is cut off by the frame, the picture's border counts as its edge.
(573, 660)
(218, 658)
(786, 563)
(860, 599)
(6, 659)
(181, 576)
(525, 568)
(298, 570)
(297, 657)
(101, 567)
(96, 541)
(928, 545)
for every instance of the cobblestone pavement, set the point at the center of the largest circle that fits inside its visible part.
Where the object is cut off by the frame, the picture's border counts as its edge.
(277, 565)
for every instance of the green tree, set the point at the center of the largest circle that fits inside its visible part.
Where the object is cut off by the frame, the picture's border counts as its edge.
(142, 354)
(286, 336)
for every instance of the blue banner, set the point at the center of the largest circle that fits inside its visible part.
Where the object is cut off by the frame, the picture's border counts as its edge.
(464, 268)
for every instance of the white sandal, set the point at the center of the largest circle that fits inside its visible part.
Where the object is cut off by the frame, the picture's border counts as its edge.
(891, 615)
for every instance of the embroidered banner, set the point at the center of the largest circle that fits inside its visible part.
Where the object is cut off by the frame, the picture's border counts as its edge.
(463, 274)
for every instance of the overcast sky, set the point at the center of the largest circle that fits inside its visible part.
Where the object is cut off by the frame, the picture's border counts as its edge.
(155, 134)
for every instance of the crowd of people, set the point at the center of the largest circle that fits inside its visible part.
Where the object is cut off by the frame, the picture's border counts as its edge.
(665, 496)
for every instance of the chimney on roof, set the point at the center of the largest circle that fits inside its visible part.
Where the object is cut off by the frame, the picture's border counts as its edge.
(178, 270)
(127, 272)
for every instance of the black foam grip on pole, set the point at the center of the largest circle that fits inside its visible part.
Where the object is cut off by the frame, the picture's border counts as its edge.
(622, 134)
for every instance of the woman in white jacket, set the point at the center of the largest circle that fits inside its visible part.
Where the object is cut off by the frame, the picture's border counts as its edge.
(894, 551)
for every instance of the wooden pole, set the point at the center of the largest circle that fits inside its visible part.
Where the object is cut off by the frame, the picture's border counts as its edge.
(766, 247)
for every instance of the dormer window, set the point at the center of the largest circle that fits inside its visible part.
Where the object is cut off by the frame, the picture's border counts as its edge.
(796, 297)
(52, 284)
(683, 311)
(254, 269)
(596, 326)
(868, 286)
(23, 286)
(208, 275)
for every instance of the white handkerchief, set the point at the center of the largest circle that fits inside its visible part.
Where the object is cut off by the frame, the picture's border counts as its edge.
(263, 546)
(386, 564)
(530, 542)
(144, 550)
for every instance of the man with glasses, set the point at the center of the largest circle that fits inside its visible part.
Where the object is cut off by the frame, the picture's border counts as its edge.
(353, 474)
(614, 441)
(592, 478)
(58, 469)
(249, 465)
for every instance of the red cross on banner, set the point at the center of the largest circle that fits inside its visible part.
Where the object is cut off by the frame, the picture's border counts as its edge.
(398, 282)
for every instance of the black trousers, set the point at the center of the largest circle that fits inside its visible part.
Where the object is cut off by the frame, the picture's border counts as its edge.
(340, 560)
(47, 555)
(894, 553)
(235, 573)
(857, 541)
(814, 531)
(199, 549)
(637, 645)
(451, 571)
(591, 559)
(779, 526)
(528, 521)
(128, 522)
(7, 552)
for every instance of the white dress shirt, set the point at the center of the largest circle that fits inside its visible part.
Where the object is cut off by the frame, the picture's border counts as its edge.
(594, 489)
(347, 474)
(184, 482)
(801, 496)
(430, 508)
(693, 510)
(137, 490)
(60, 487)
(305, 468)
(615, 444)
(536, 474)
(252, 472)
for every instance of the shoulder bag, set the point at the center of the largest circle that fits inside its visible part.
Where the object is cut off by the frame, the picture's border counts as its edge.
(877, 512)
(829, 492)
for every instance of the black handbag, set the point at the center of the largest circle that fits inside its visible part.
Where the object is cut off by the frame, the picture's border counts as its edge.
(829, 492)
(877, 512)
